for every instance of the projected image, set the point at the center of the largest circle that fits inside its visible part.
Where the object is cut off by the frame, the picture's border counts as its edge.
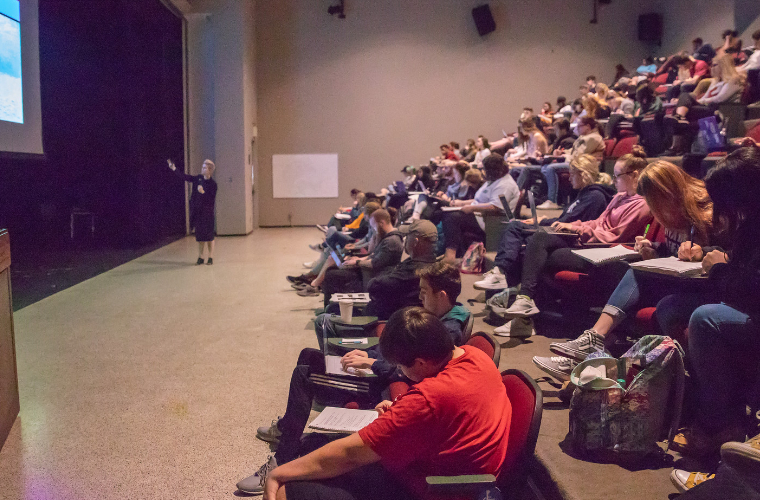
(11, 103)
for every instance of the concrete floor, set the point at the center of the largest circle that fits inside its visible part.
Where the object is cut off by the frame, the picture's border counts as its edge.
(149, 381)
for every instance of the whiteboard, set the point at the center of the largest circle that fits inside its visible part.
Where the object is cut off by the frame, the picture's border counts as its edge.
(305, 176)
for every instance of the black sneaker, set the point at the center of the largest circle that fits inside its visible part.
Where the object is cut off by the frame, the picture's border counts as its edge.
(300, 279)
(199, 261)
(210, 261)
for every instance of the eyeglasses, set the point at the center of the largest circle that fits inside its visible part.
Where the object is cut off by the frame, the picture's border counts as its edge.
(618, 176)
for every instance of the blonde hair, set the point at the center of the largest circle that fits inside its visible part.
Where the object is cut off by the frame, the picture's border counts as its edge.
(676, 198)
(728, 71)
(636, 159)
(474, 177)
(210, 163)
(602, 91)
(589, 169)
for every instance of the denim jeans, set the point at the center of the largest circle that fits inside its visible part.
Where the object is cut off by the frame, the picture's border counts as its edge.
(723, 349)
(550, 172)
(522, 175)
(509, 255)
(674, 311)
(334, 237)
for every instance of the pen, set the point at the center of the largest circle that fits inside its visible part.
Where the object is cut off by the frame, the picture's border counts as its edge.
(691, 236)
(646, 231)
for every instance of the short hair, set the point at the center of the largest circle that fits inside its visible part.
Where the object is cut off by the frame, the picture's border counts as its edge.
(649, 60)
(697, 40)
(680, 60)
(370, 208)
(590, 77)
(729, 32)
(589, 121)
(210, 163)
(442, 276)
(756, 35)
(473, 176)
(380, 215)
(355, 191)
(462, 167)
(444, 146)
(494, 167)
(454, 144)
(561, 99)
(413, 333)
(562, 124)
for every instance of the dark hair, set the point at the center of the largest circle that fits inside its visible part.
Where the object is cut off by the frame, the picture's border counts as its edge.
(494, 167)
(355, 191)
(729, 32)
(590, 77)
(697, 40)
(413, 333)
(394, 215)
(679, 60)
(589, 121)
(444, 146)
(454, 144)
(486, 145)
(442, 276)
(561, 99)
(462, 167)
(562, 124)
(756, 35)
(732, 185)
(649, 60)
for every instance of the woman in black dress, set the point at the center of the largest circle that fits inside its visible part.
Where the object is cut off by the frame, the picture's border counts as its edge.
(202, 207)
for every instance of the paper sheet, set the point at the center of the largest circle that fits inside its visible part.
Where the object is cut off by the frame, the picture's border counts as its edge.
(343, 420)
(333, 367)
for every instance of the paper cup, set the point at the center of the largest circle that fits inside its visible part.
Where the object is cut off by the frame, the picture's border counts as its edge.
(346, 310)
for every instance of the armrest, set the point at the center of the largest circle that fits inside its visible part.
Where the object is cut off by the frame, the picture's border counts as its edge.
(459, 485)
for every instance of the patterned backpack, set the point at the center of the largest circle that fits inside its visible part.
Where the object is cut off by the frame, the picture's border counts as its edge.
(472, 262)
(622, 407)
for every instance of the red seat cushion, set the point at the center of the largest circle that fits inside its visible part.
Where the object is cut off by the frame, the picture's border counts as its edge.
(482, 344)
(645, 315)
(609, 145)
(569, 276)
(523, 403)
(624, 146)
(754, 132)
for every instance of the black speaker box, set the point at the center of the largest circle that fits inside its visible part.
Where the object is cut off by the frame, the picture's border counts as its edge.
(650, 28)
(483, 19)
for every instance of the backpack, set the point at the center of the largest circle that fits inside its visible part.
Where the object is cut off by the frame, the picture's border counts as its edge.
(472, 262)
(622, 415)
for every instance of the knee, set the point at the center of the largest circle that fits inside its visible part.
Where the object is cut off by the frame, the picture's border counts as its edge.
(702, 325)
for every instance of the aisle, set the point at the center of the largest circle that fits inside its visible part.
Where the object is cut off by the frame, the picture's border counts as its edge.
(149, 381)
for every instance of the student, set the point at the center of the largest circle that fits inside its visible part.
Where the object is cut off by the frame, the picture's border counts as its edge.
(589, 142)
(647, 66)
(486, 201)
(455, 420)
(482, 151)
(624, 218)
(354, 271)
(466, 183)
(535, 147)
(754, 60)
(722, 342)
(595, 191)
(690, 72)
(202, 202)
(591, 83)
(680, 203)
(440, 285)
(702, 51)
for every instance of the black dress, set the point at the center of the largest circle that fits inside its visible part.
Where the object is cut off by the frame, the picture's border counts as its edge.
(201, 206)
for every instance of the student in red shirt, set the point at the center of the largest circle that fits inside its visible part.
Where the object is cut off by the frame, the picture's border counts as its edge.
(454, 420)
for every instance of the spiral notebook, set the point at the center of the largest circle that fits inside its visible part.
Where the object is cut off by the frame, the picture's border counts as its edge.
(604, 255)
(670, 266)
(343, 420)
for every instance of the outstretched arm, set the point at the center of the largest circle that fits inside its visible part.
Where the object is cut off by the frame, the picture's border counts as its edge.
(181, 175)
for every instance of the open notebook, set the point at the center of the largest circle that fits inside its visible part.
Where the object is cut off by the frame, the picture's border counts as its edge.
(343, 420)
(356, 297)
(602, 255)
(670, 266)
(333, 367)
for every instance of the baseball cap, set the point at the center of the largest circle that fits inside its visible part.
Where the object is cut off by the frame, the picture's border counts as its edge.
(422, 229)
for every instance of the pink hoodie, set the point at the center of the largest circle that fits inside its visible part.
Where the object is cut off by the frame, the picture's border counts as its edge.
(624, 218)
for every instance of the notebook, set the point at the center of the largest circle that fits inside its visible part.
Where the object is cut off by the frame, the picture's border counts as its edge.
(343, 420)
(451, 209)
(358, 298)
(670, 266)
(333, 367)
(602, 255)
(536, 227)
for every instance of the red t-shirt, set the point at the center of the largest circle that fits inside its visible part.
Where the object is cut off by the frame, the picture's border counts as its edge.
(451, 156)
(700, 69)
(452, 424)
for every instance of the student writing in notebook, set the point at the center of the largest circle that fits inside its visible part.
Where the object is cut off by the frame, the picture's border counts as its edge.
(626, 216)
(681, 204)
(723, 346)
(440, 285)
(454, 420)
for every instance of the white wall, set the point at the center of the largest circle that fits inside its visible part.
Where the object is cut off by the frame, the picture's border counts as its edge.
(388, 84)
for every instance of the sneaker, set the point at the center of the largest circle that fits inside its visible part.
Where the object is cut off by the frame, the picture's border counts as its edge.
(684, 480)
(558, 367)
(317, 247)
(254, 485)
(304, 278)
(492, 280)
(743, 457)
(199, 261)
(271, 433)
(322, 228)
(308, 265)
(548, 205)
(309, 291)
(588, 342)
(524, 307)
(210, 262)
(696, 443)
(517, 328)
(499, 303)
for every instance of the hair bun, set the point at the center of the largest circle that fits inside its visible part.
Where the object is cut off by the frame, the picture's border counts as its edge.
(638, 151)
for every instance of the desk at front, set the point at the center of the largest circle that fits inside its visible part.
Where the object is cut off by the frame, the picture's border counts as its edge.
(9, 404)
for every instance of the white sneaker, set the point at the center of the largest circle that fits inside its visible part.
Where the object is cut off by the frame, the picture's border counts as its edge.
(523, 307)
(558, 367)
(548, 205)
(254, 485)
(492, 280)
(587, 343)
(499, 303)
(322, 228)
(308, 265)
(517, 328)
(684, 480)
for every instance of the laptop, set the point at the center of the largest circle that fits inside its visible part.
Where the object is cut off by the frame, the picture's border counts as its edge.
(548, 229)
(336, 252)
(507, 210)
